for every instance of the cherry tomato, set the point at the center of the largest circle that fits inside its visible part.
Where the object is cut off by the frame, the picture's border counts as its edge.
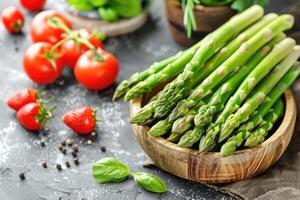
(40, 65)
(33, 5)
(12, 19)
(96, 72)
(71, 50)
(42, 31)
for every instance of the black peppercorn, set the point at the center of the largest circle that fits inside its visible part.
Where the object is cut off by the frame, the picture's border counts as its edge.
(103, 149)
(58, 167)
(67, 163)
(76, 161)
(75, 148)
(22, 176)
(43, 144)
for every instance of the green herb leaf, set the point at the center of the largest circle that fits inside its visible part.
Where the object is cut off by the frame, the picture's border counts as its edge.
(82, 5)
(108, 14)
(98, 3)
(126, 8)
(215, 2)
(109, 170)
(150, 182)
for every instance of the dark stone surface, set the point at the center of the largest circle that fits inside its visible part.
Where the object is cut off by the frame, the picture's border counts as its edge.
(20, 150)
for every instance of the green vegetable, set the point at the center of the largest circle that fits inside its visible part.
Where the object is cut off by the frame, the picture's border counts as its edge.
(82, 5)
(98, 3)
(144, 114)
(242, 114)
(241, 5)
(108, 14)
(156, 67)
(257, 118)
(150, 182)
(260, 71)
(258, 136)
(206, 113)
(215, 2)
(237, 140)
(189, 20)
(110, 170)
(233, 63)
(170, 71)
(182, 85)
(191, 137)
(126, 8)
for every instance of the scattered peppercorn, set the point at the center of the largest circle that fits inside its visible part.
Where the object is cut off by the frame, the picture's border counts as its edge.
(89, 142)
(44, 164)
(67, 163)
(63, 142)
(69, 142)
(22, 176)
(58, 167)
(76, 161)
(60, 147)
(75, 148)
(74, 154)
(93, 134)
(43, 144)
(103, 149)
(64, 151)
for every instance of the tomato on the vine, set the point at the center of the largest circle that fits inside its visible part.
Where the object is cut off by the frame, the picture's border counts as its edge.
(33, 5)
(71, 50)
(12, 19)
(96, 71)
(42, 29)
(41, 64)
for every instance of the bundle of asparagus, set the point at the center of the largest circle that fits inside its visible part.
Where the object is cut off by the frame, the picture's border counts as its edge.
(228, 89)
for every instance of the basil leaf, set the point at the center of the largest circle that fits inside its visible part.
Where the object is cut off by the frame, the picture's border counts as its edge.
(108, 14)
(126, 8)
(82, 5)
(150, 182)
(98, 3)
(110, 170)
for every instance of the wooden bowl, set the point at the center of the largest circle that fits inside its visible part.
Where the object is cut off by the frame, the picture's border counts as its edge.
(210, 167)
(207, 18)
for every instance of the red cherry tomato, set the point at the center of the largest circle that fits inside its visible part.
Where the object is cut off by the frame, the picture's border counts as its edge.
(71, 50)
(12, 19)
(33, 5)
(40, 65)
(94, 73)
(42, 31)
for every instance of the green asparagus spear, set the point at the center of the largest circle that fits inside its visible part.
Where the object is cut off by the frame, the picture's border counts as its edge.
(206, 113)
(235, 141)
(182, 85)
(280, 50)
(191, 137)
(244, 131)
(126, 85)
(170, 71)
(258, 136)
(242, 114)
(145, 114)
(238, 59)
(164, 126)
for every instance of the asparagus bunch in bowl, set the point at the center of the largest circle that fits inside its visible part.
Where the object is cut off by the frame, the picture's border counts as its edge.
(225, 89)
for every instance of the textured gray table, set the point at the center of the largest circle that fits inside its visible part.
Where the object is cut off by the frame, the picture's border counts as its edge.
(20, 150)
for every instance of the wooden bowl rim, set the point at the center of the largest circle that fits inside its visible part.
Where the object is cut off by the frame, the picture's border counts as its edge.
(290, 106)
(201, 8)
